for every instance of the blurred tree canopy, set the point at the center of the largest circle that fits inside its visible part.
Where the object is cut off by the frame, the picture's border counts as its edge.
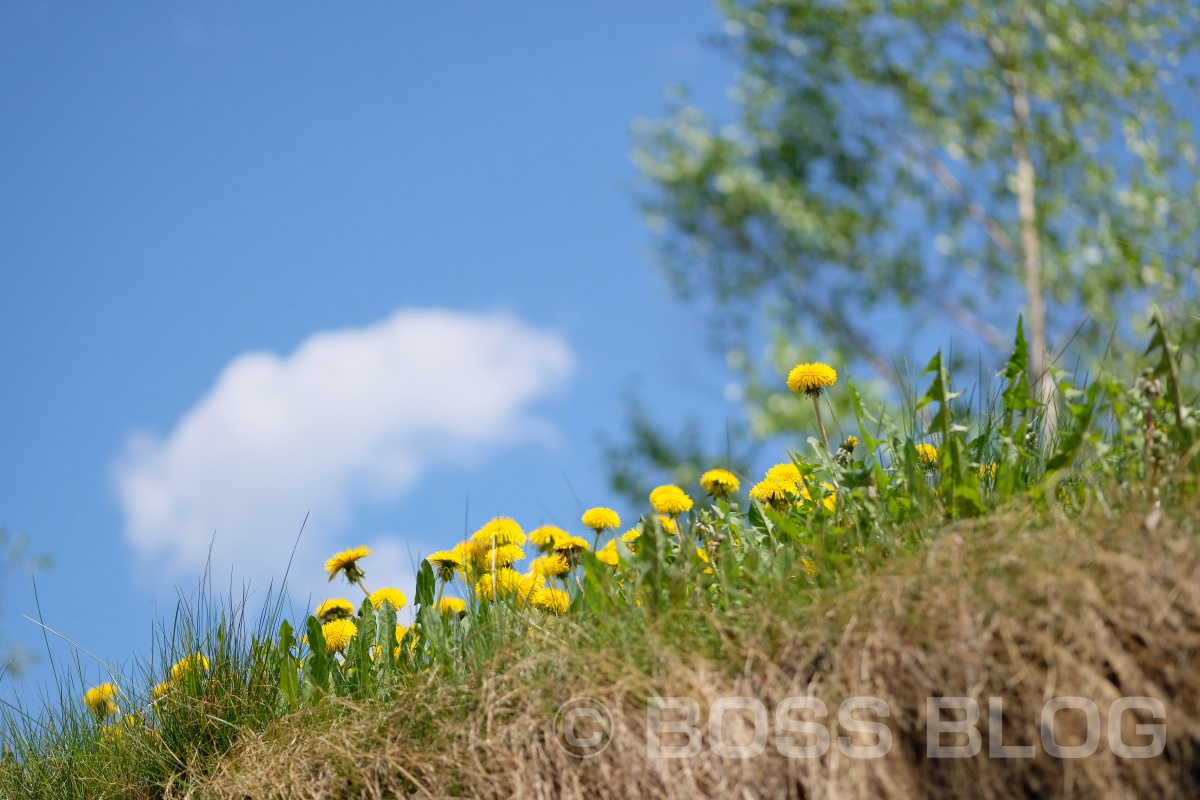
(899, 162)
(14, 554)
(895, 163)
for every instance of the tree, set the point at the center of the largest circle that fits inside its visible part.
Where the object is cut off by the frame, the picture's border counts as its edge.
(899, 159)
(14, 552)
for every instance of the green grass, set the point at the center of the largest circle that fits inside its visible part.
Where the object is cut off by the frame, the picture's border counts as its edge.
(907, 558)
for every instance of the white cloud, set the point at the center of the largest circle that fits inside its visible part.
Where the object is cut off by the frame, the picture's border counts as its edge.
(354, 411)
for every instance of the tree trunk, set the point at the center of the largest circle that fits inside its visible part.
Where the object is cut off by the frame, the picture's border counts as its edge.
(1031, 255)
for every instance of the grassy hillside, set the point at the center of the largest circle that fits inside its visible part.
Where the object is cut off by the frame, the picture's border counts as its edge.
(1013, 605)
(963, 552)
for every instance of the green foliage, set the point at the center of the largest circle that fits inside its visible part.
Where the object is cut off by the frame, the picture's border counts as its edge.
(873, 165)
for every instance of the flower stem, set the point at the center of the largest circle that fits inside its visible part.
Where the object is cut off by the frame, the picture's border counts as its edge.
(820, 425)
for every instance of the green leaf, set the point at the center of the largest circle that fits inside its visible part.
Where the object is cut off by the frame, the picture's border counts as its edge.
(287, 637)
(1016, 398)
(426, 584)
(316, 666)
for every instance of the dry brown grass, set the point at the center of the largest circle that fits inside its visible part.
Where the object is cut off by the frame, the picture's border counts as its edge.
(1007, 607)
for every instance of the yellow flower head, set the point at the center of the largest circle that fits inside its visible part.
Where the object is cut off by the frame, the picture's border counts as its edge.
(719, 483)
(501, 530)
(988, 470)
(551, 566)
(702, 554)
(545, 537)
(810, 569)
(571, 544)
(848, 444)
(195, 663)
(474, 557)
(346, 562)
(101, 700)
(504, 582)
(393, 596)
(162, 690)
(811, 378)
(554, 601)
(770, 493)
(608, 554)
(668, 524)
(531, 582)
(927, 454)
(334, 608)
(600, 519)
(505, 555)
(787, 475)
(631, 535)
(451, 607)
(338, 634)
(670, 500)
(445, 563)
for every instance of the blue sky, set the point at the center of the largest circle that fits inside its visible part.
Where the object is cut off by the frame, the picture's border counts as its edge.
(386, 258)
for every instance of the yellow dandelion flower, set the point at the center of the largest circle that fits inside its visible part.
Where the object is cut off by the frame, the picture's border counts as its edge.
(810, 569)
(346, 562)
(400, 631)
(101, 700)
(194, 663)
(988, 470)
(849, 443)
(702, 554)
(474, 557)
(505, 555)
(389, 595)
(571, 544)
(927, 454)
(338, 634)
(531, 582)
(503, 582)
(162, 690)
(811, 378)
(334, 608)
(668, 524)
(600, 519)
(770, 493)
(787, 475)
(719, 483)
(671, 500)
(451, 607)
(501, 530)
(554, 601)
(608, 554)
(631, 535)
(545, 537)
(550, 566)
(445, 563)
